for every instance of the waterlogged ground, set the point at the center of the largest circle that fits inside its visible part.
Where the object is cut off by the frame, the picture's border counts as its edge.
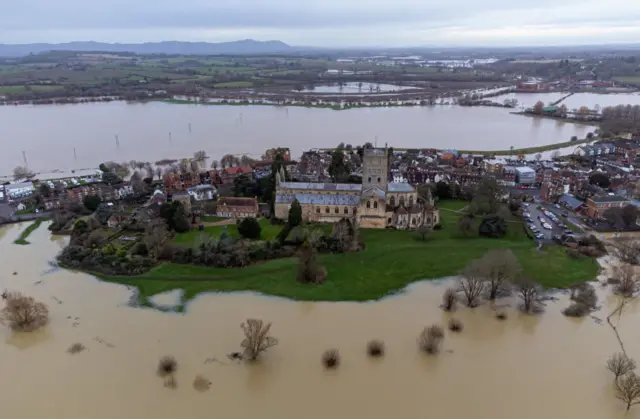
(525, 367)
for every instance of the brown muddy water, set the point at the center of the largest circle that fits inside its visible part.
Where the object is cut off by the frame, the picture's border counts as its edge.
(525, 367)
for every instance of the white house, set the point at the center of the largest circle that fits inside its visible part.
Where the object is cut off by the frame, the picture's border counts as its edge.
(203, 192)
(19, 190)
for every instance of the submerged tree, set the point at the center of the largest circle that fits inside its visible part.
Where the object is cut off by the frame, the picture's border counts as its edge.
(628, 389)
(430, 339)
(331, 358)
(449, 299)
(620, 364)
(257, 339)
(529, 292)
(498, 267)
(22, 313)
(584, 300)
(628, 280)
(375, 348)
(472, 283)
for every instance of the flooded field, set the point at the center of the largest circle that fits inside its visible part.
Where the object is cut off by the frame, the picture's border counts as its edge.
(357, 88)
(525, 367)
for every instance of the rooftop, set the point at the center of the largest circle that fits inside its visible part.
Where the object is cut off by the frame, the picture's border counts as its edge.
(353, 187)
(399, 187)
(326, 199)
(608, 198)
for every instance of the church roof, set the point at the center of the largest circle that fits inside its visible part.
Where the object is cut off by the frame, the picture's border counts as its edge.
(399, 187)
(314, 199)
(353, 187)
(374, 190)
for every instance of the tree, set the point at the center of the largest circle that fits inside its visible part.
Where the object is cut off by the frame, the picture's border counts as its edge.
(111, 178)
(627, 250)
(256, 338)
(200, 157)
(136, 182)
(443, 190)
(487, 198)
(295, 214)
(627, 285)
(309, 272)
(423, 231)
(338, 169)
(620, 364)
(179, 219)
(628, 389)
(92, 202)
(465, 224)
(430, 339)
(22, 172)
(498, 267)
(22, 313)
(599, 179)
(215, 164)
(159, 172)
(555, 155)
(493, 225)
(449, 299)
(529, 292)
(249, 228)
(538, 107)
(472, 283)
(538, 157)
(45, 190)
(155, 234)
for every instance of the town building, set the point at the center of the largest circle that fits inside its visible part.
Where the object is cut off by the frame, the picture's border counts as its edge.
(270, 155)
(19, 190)
(203, 192)
(230, 173)
(230, 207)
(375, 203)
(598, 204)
(525, 175)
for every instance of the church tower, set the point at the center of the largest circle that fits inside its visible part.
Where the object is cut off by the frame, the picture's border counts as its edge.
(375, 168)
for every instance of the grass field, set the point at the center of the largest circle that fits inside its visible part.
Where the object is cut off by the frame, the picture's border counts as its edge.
(635, 80)
(233, 84)
(211, 219)
(22, 240)
(391, 261)
(22, 89)
(190, 238)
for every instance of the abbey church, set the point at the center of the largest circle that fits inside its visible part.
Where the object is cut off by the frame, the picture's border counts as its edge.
(376, 203)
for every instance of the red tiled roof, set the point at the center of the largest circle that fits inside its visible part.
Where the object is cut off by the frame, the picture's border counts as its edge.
(237, 169)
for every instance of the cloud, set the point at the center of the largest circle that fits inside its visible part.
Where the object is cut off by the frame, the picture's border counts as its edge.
(325, 23)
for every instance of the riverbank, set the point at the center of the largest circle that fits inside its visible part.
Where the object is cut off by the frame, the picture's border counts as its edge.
(342, 106)
(391, 261)
(555, 118)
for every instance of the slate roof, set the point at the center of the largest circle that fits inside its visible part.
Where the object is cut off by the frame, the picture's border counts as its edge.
(570, 201)
(375, 190)
(353, 187)
(394, 187)
(326, 199)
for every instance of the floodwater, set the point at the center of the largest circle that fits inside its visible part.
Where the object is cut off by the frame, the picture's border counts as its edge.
(575, 101)
(85, 135)
(525, 367)
(357, 88)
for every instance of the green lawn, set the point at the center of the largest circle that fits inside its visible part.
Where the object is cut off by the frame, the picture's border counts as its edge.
(23, 89)
(27, 231)
(211, 219)
(233, 84)
(635, 80)
(189, 238)
(391, 260)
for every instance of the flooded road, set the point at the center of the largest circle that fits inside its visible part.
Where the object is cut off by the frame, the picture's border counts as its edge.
(524, 367)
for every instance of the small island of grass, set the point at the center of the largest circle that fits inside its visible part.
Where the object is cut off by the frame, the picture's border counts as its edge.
(22, 240)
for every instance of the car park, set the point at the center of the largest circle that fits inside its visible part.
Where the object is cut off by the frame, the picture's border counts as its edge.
(539, 236)
(547, 226)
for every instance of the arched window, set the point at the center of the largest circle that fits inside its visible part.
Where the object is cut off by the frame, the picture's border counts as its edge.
(337, 210)
(326, 210)
(389, 220)
(369, 179)
(318, 210)
(393, 201)
(402, 200)
(378, 180)
(355, 210)
(368, 204)
(411, 200)
(413, 221)
(375, 204)
(346, 210)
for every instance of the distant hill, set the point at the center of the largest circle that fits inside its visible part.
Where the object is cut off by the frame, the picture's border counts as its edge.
(246, 46)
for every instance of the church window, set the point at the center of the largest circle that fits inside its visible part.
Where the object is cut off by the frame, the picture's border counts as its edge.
(318, 210)
(378, 180)
(389, 220)
(337, 210)
(428, 220)
(369, 179)
(393, 201)
(410, 200)
(326, 210)
(368, 204)
(375, 204)
(402, 200)
(355, 210)
(346, 210)
(413, 221)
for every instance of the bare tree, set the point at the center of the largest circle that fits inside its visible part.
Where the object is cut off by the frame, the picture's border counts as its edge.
(628, 389)
(628, 280)
(257, 338)
(584, 299)
(423, 232)
(375, 348)
(22, 313)
(331, 358)
(155, 235)
(449, 299)
(184, 165)
(529, 292)
(498, 267)
(215, 164)
(627, 250)
(200, 157)
(430, 339)
(620, 364)
(21, 172)
(472, 283)
(158, 172)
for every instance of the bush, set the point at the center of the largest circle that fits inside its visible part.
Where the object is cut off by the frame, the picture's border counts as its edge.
(249, 228)
(501, 315)
(574, 253)
(92, 202)
(455, 325)
(22, 313)
(428, 340)
(576, 310)
(167, 366)
(493, 226)
(375, 348)
(140, 249)
(295, 214)
(449, 299)
(437, 226)
(331, 358)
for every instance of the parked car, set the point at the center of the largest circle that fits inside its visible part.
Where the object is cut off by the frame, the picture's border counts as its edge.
(539, 236)
(568, 232)
(547, 226)
(557, 206)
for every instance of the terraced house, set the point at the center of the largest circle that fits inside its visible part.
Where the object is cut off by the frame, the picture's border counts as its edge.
(375, 203)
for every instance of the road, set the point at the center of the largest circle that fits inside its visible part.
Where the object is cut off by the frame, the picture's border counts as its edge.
(571, 216)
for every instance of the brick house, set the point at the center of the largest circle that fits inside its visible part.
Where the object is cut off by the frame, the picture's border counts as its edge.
(230, 173)
(270, 155)
(598, 204)
(180, 181)
(237, 207)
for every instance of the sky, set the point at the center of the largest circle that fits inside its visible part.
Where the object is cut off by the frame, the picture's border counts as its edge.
(328, 23)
